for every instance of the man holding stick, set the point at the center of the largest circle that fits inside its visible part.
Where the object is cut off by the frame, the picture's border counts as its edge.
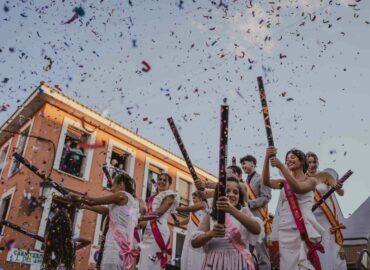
(259, 196)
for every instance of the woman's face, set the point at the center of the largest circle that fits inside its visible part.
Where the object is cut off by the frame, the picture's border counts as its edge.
(292, 162)
(312, 165)
(163, 183)
(196, 199)
(247, 166)
(232, 192)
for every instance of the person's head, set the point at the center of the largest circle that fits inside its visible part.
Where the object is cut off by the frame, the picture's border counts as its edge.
(233, 192)
(58, 246)
(312, 162)
(196, 196)
(164, 181)
(248, 163)
(124, 182)
(296, 160)
(234, 170)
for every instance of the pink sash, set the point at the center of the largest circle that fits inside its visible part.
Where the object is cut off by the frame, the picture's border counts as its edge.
(127, 254)
(312, 255)
(165, 248)
(234, 236)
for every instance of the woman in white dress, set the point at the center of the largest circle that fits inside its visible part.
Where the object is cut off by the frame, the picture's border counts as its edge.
(192, 258)
(226, 247)
(155, 249)
(123, 210)
(300, 235)
(332, 240)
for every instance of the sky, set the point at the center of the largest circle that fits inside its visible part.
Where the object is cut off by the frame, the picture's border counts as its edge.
(140, 62)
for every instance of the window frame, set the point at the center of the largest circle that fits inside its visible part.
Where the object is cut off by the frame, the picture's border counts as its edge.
(149, 161)
(176, 230)
(50, 193)
(89, 152)
(185, 177)
(27, 125)
(10, 192)
(8, 143)
(130, 159)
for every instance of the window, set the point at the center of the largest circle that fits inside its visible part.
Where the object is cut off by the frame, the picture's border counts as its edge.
(184, 192)
(5, 205)
(72, 156)
(53, 201)
(3, 154)
(99, 230)
(73, 160)
(153, 174)
(59, 203)
(4, 209)
(184, 187)
(177, 245)
(21, 146)
(119, 158)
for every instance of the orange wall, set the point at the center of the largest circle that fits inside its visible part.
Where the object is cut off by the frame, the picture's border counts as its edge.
(48, 124)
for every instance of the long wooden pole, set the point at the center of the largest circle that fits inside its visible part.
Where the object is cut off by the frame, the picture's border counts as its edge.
(224, 132)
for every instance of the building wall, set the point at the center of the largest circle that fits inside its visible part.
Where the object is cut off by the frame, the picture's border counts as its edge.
(48, 123)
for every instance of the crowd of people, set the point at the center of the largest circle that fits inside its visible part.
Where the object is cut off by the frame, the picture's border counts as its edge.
(306, 239)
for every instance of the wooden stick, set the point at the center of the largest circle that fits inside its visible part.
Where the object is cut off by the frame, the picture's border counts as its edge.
(265, 111)
(181, 145)
(223, 158)
(331, 191)
(40, 174)
(21, 230)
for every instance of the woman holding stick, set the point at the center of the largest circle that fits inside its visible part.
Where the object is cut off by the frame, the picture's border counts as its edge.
(226, 246)
(123, 210)
(327, 216)
(192, 258)
(294, 225)
(155, 247)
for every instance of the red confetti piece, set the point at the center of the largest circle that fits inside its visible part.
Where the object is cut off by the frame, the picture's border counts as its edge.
(91, 146)
(145, 119)
(72, 19)
(282, 56)
(283, 94)
(146, 66)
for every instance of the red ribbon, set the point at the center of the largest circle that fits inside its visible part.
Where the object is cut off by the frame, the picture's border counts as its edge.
(165, 248)
(128, 255)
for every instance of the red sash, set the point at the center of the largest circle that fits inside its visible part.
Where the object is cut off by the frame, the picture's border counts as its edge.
(312, 255)
(165, 248)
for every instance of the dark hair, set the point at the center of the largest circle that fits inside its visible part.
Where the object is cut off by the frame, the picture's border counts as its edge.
(58, 245)
(312, 154)
(249, 158)
(128, 181)
(300, 155)
(236, 169)
(197, 194)
(215, 197)
(169, 178)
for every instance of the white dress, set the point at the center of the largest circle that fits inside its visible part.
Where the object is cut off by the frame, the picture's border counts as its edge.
(330, 260)
(220, 253)
(149, 247)
(126, 219)
(192, 258)
(292, 249)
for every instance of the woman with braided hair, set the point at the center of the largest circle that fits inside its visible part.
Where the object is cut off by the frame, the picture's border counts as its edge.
(120, 252)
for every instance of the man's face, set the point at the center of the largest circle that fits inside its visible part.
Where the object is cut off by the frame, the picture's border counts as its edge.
(247, 166)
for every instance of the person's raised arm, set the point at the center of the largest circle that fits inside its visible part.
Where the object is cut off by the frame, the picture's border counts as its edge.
(97, 209)
(267, 181)
(328, 179)
(298, 187)
(117, 198)
(191, 208)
